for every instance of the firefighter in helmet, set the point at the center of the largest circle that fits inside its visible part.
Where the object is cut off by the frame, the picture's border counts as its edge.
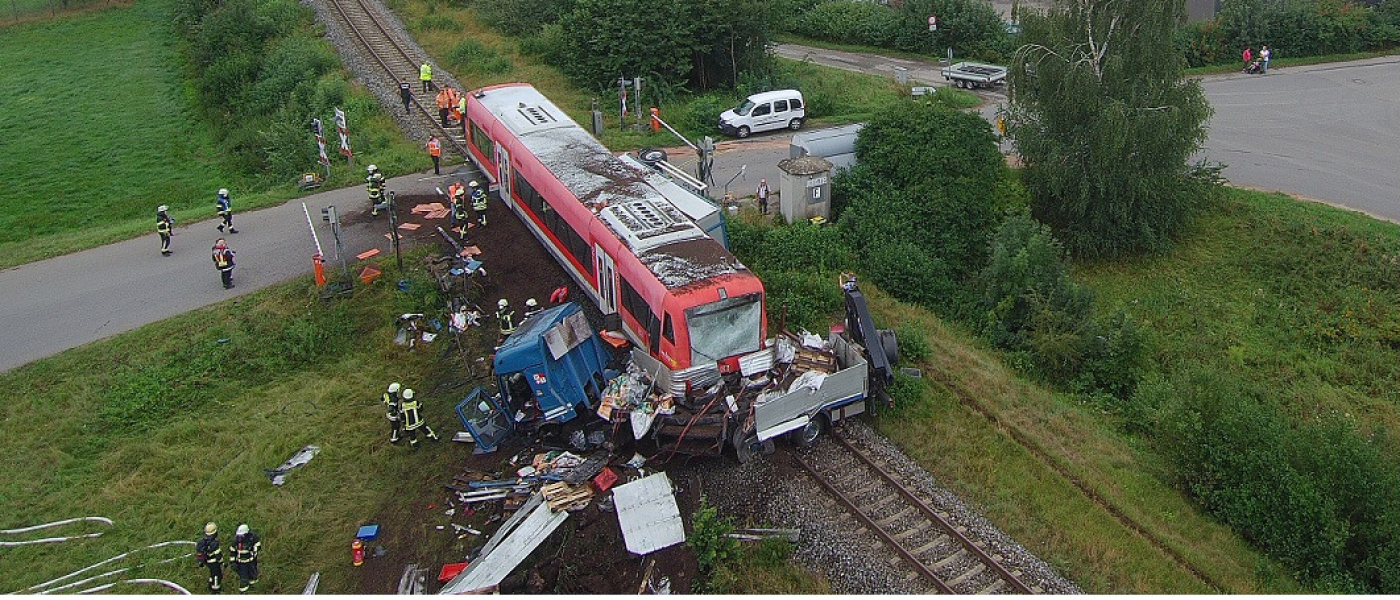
(374, 182)
(506, 316)
(413, 421)
(479, 203)
(210, 555)
(392, 411)
(243, 553)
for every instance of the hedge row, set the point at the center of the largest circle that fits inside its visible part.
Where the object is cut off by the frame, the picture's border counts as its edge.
(969, 27)
(1290, 29)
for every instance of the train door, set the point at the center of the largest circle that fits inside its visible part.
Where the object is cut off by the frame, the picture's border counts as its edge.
(503, 173)
(607, 281)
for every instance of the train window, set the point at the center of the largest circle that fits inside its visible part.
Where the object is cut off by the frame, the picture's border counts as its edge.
(483, 143)
(668, 331)
(633, 302)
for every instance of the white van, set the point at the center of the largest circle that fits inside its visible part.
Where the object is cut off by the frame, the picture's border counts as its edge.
(765, 112)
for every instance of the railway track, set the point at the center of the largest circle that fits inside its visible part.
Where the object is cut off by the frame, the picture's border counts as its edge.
(396, 60)
(935, 550)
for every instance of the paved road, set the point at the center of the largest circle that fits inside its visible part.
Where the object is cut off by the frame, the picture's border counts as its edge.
(1325, 132)
(53, 305)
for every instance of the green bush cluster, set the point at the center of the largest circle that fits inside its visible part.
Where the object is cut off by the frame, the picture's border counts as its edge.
(969, 27)
(921, 201)
(708, 539)
(470, 57)
(258, 74)
(1318, 494)
(682, 44)
(1293, 28)
(1033, 307)
(799, 265)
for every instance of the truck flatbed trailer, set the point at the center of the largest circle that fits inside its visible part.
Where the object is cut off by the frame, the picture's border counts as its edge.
(971, 75)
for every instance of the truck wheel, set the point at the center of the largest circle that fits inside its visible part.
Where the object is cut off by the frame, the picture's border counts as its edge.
(743, 132)
(890, 343)
(810, 433)
(795, 124)
(744, 448)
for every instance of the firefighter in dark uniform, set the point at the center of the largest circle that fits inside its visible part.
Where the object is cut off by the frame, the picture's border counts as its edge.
(243, 553)
(375, 184)
(225, 208)
(163, 226)
(412, 421)
(209, 554)
(223, 261)
(506, 316)
(458, 194)
(479, 203)
(392, 411)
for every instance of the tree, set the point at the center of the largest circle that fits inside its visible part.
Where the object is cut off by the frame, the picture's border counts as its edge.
(675, 42)
(1105, 123)
(922, 199)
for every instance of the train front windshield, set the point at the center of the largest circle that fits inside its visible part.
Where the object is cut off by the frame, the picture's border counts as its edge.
(719, 330)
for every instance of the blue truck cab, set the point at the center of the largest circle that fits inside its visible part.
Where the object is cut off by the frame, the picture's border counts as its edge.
(548, 371)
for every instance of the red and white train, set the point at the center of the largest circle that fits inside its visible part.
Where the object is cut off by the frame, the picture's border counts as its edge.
(627, 234)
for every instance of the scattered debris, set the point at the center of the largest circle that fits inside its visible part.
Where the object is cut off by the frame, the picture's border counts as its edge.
(648, 514)
(463, 436)
(367, 253)
(368, 533)
(758, 535)
(565, 497)
(516, 539)
(646, 575)
(449, 571)
(413, 581)
(312, 584)
(303, 456)
(605, 480)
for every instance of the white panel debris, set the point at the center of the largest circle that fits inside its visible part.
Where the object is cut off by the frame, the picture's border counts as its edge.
(648, 515)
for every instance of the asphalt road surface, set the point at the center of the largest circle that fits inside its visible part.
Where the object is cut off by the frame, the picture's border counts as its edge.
(53, 305)
(1325, 132)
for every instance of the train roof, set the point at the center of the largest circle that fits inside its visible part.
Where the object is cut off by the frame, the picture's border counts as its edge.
(653, 216)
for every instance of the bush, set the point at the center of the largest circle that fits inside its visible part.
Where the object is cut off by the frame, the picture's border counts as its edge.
(707, 538)
(520, 18)
(970, 27)
(470, 57)
(439, 23)
(913, 345)
(1320, 497)
(702, 113)
(1300, 28)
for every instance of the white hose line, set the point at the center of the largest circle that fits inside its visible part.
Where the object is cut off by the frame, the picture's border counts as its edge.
(109, 574)
(103, 520)
(114, 558)
(170, 584)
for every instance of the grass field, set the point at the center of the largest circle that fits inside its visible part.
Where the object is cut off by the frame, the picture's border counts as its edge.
(1296, 294)
(99, 133)
(177, 425)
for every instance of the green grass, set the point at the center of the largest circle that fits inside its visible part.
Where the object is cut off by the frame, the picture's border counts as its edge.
(1296, 294)
(166, 427)
(1026, 497)
(765, 568)
(94, 154)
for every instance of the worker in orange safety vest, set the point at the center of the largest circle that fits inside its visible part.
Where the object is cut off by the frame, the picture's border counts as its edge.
(435, 151)
(444, 104)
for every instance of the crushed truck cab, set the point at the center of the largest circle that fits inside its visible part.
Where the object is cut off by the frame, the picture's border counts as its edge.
(553, 364)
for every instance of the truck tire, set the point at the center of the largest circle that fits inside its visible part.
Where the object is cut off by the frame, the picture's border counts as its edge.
(651, 156)
(743, 131)
(744, 450)
(807, 436)
(890, 343)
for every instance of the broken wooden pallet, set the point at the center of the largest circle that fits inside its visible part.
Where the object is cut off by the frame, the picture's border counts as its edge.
(562, 496)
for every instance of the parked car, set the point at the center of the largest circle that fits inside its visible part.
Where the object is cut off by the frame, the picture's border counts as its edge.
(765, 112)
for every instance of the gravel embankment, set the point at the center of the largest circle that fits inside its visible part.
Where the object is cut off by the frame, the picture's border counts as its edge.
(768, 492)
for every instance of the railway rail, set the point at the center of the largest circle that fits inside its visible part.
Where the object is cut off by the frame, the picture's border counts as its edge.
(397, 61)
(933, 548)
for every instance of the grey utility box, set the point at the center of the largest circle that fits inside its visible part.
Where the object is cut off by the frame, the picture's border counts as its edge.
(805, 190)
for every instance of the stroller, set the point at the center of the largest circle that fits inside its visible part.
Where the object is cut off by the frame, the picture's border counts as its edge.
(1253, 67)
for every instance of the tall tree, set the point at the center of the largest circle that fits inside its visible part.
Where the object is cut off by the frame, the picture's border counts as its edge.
(1106, 123)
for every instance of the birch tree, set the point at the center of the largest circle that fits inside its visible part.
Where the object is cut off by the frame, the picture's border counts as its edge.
(1106, 124)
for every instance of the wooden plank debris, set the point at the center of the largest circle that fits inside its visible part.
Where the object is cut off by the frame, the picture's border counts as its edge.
(562, 496)
(367, 253)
